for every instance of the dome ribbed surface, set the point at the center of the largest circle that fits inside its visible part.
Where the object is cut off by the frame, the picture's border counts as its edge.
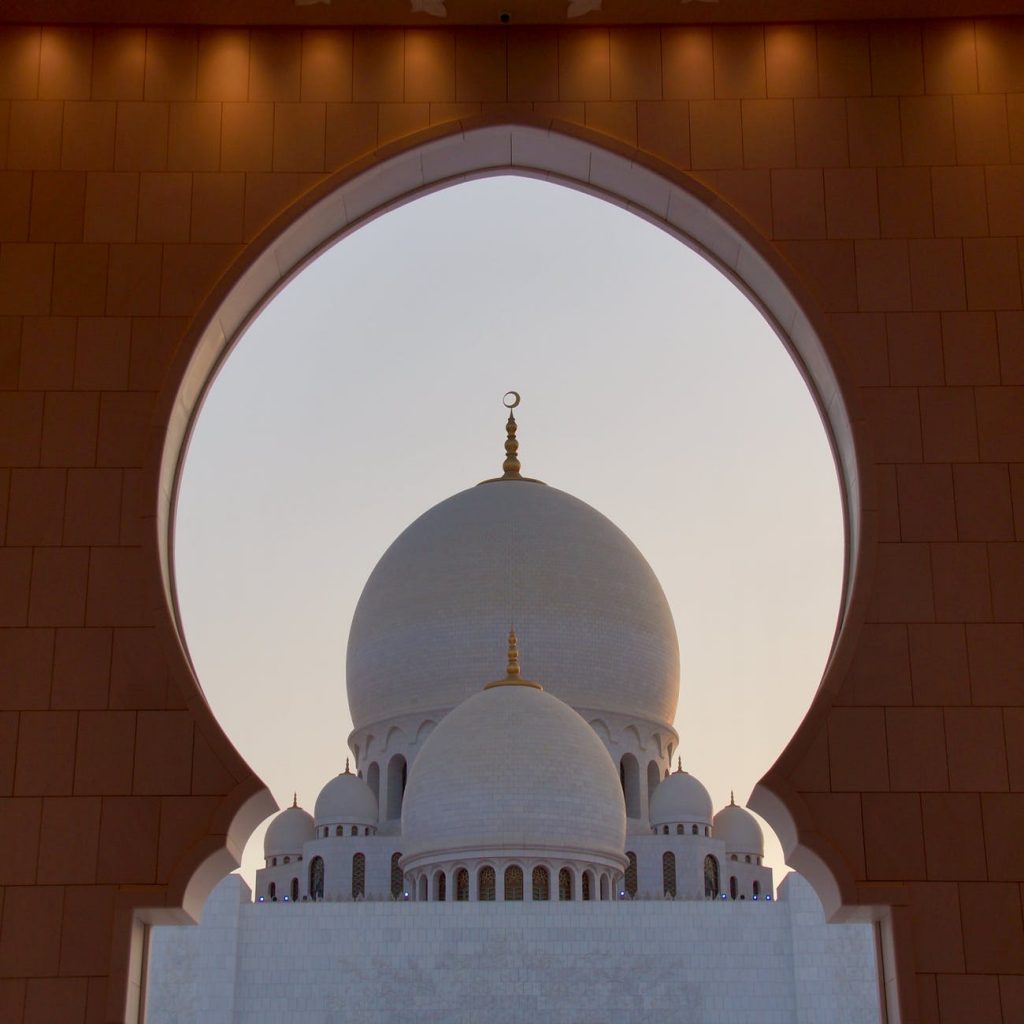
(679, 798)
(346, 799)
(589, 608)
(513, 767)
(287, 832)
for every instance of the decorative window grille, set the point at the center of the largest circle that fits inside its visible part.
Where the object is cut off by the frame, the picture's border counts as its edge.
(358, 875)
(711, 883)
(316, 878)
(565, 884)
(513, 882)
(668, 873)
(631, 874)
(486, 882)
(541, 883)
(397, 881)
(462, 885)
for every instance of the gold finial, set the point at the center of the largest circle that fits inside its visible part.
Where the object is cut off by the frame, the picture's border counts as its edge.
(513, 654)
(511, 466)
(347, 770)
(732, 798)
(295, 799)
(512, 676)
(679, 764)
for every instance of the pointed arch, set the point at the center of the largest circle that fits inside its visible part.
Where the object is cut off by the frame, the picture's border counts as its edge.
(585, 159)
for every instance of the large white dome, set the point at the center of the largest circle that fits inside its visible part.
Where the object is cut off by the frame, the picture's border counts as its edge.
(597, 622)
(513, 768)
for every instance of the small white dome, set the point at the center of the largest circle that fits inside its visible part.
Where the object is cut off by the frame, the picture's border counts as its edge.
(679, 798)
(347, 800)
(288, 832)
(739, 830)
(512, 768)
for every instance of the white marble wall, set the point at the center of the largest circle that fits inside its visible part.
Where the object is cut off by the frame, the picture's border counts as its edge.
(598, 963)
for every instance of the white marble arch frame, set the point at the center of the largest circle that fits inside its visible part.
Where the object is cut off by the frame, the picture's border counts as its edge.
(658, 192)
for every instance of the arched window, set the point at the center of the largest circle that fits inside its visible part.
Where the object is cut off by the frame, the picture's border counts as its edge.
(629, 776)
(273, 861)
(668, 872)
(732, 856)
(316, 878)
(694, 830)
(373, 780)
(422, 887)
(295, 890)
(397, 887)
(541, 883)
(273, 890)
(354, 831)
(565, 884)
(630, 874)
(358, 875)
(462, 885)
(513, 882)
(588, 885)
(485, 880)
(606, 891)
(664, 830)
(338, 830)
(679, 830)
(734, 889)
(440, 887)
(653, 778)
(396, 786)
(756, 887)
(287, 860)
(711, 886)
(707, 831)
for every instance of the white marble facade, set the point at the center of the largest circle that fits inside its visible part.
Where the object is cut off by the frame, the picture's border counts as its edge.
(617, 962)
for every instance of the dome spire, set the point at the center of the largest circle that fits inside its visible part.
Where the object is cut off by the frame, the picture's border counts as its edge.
(513, 654)
(732, 798)
(512, 676)
(295, 799)
(511, 466)
(347, 769)
(679, 764)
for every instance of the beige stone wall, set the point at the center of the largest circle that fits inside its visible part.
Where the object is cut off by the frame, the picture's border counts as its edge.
(882, 164)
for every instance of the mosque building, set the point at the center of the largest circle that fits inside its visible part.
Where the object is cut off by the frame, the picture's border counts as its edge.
(559, 783)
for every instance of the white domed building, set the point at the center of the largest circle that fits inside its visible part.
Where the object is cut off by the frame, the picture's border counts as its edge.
(513, 793)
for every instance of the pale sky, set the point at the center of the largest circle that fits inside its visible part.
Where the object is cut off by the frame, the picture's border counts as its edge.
(370, 389)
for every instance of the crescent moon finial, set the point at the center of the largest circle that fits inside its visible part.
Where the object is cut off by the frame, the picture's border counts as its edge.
(511, 466)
